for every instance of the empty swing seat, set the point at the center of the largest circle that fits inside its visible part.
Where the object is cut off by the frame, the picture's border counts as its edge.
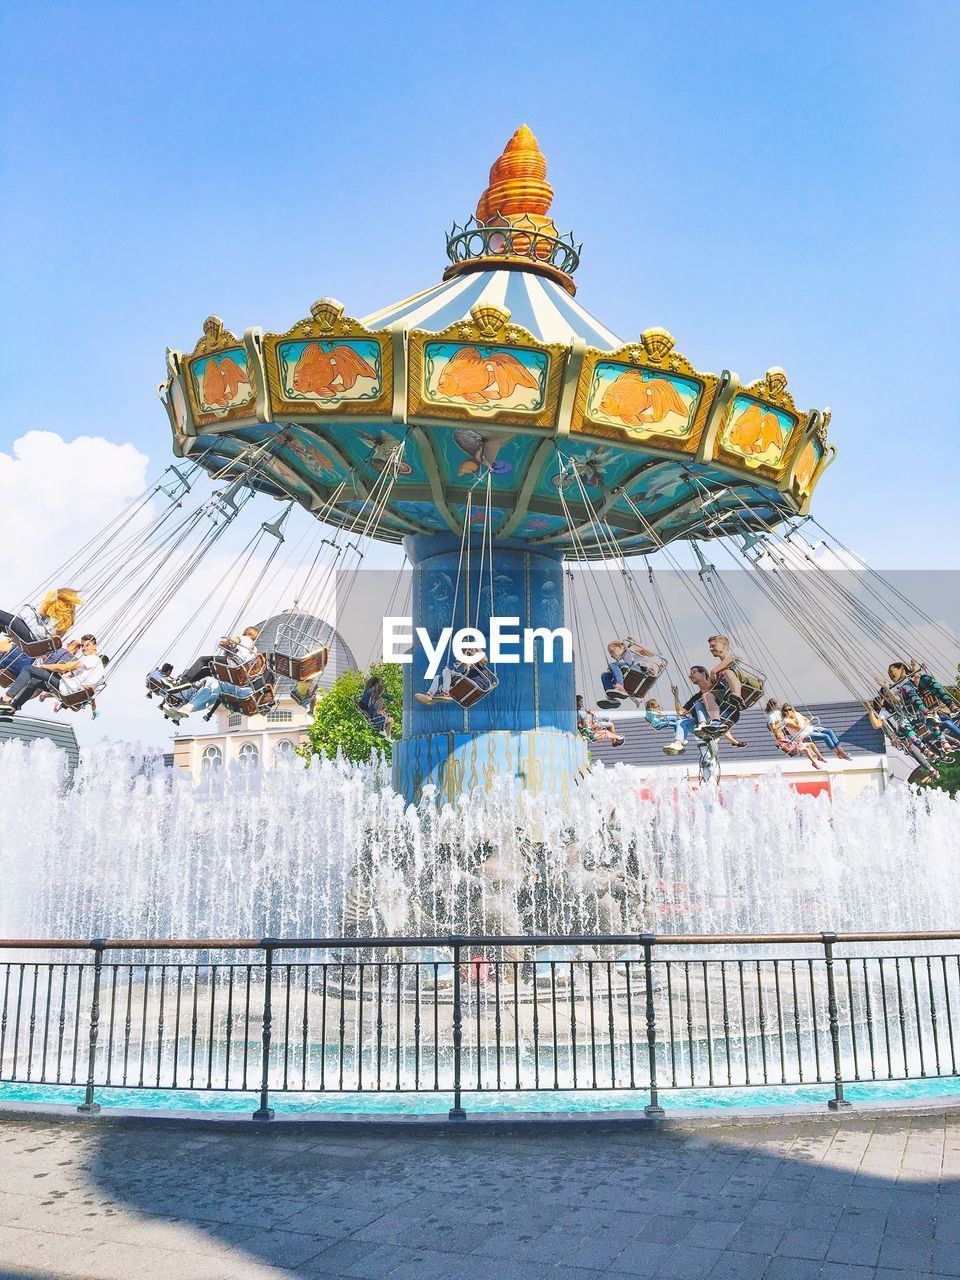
(467, 691)
(304, 667)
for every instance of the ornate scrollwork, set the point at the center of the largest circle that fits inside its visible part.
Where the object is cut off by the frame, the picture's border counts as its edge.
(493, 368)
(349, 368)
(647, 413)
(215, 338)
(772, 389)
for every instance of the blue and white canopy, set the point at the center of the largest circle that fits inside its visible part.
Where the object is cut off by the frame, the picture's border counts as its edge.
(535, 303)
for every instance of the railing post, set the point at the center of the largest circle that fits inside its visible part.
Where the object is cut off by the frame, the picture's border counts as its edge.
(654, 1109)
(265, 1111)
(838, 1102)
(88, 1106)
(456, 1111)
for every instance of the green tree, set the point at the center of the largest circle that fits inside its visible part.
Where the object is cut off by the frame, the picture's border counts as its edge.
(949, 779)
(338, 724)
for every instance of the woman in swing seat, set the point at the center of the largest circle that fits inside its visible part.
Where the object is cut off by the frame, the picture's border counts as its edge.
(801, 728)
(373, 706)
(713, 723)
(623, 656)
(917, 678)
(594, 727)
(895, 726)
(55, 614)
(788, 744)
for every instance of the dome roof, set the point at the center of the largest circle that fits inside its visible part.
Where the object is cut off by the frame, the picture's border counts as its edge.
(535, 303)
(341, 657)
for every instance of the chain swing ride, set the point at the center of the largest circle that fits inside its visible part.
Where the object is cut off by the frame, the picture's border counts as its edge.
(521, 453)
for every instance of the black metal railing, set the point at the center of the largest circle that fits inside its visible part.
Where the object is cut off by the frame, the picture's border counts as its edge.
(461, 1015)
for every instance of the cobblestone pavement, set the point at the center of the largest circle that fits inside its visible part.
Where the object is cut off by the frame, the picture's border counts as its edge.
(851, 1200)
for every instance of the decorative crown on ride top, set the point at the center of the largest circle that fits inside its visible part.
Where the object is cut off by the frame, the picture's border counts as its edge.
(511, 220)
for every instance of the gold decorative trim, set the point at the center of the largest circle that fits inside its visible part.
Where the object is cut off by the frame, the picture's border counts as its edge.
(768, 392)
(654, 353)
(327, 323)
(488, 326)
(217, 339)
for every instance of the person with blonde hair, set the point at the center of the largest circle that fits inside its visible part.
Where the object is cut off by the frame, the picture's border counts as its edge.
(55, 615)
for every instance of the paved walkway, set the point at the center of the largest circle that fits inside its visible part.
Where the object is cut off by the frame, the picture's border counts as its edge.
(853, 1200)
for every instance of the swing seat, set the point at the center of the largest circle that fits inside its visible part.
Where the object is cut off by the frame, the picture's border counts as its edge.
(74, 701)
(157, 685)
(229, 671)
(299, 669)
(245, 706)
(376, 723)
(752, 684)
(466, 691)
(638, 680)
(6, 678)
(36, 648)
(266, 699)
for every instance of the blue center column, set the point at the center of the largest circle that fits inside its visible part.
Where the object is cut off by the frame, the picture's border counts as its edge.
(526, 727)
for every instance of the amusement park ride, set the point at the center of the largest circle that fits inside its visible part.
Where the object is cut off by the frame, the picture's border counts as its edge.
(509, 441)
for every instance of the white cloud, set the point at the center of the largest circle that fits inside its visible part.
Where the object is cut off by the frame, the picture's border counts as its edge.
(54, 494)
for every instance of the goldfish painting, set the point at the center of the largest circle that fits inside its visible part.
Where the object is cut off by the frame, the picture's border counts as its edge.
(484, 379)
(329, 373)
(756, 432)
(637, 401)
(807, 464)
(221, 381)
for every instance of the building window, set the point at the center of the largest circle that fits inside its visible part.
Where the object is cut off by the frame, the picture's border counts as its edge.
(279, 717)
(235, 720)
(249, 755)
(285, 749)
(211, 760)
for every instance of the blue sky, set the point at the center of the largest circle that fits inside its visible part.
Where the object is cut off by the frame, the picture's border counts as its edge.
(774, 184)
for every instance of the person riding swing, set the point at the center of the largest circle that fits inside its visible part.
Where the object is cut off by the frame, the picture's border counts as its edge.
(37, 631)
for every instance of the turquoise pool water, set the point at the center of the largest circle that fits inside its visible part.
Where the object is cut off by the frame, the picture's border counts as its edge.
(439, 1103)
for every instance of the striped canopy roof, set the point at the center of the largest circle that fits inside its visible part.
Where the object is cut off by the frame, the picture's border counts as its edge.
(535, 303)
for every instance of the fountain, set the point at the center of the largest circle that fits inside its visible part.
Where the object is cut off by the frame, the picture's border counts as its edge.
(128, 850)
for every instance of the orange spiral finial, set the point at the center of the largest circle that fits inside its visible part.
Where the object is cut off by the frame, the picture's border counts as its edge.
(518, 180)
(518, 195)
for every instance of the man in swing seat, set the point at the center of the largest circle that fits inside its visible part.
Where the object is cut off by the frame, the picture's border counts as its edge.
(742, 687)
(240, 649)
(716, 721)
(624, 657)
(686, 717)
(83, 672)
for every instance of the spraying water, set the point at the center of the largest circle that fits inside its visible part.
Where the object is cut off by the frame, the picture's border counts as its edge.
(128, 850)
